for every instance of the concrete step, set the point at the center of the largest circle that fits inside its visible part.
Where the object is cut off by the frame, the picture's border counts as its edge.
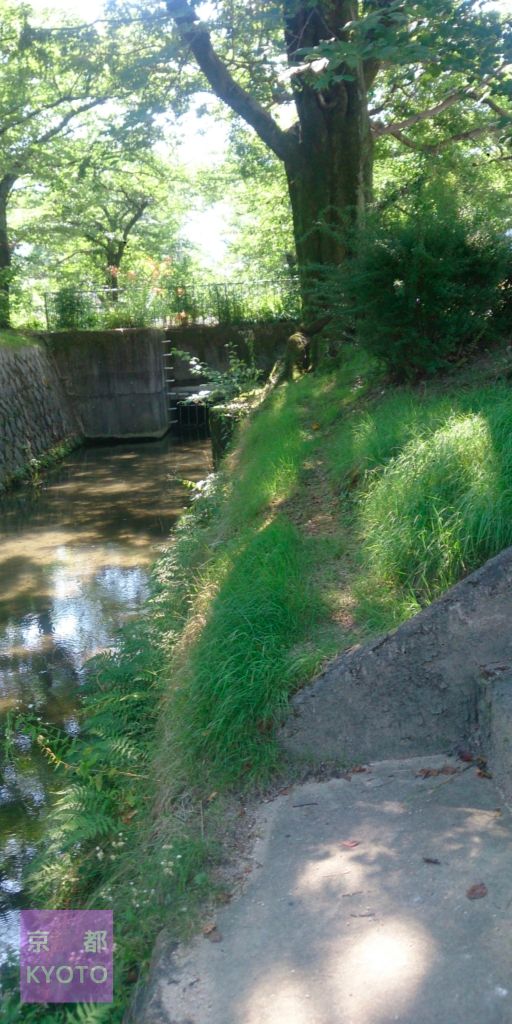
(359, 909)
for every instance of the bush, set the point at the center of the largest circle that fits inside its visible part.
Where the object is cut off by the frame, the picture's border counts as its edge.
(240, 376)
(72, 309)
(426, 290)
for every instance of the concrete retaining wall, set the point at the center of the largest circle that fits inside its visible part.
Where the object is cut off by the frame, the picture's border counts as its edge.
(209, 345)
(425, 688)
(106, 384)
(114, 380)
(35, 414)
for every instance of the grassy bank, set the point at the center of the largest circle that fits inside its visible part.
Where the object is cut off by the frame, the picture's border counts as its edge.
(346, 506)
(17, 339)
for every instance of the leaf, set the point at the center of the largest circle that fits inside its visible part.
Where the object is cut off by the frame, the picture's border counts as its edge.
(477, 891)
(433, 773)
(431, 860)
(350, 844)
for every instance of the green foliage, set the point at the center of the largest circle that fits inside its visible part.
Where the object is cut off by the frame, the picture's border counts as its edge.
(424, 290)
(72, 309)
(240, 672)
(240, 376)
(433, 499)
(16, 339)
(102, 847)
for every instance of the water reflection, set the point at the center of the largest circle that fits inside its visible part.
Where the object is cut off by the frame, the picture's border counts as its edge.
(74, 558)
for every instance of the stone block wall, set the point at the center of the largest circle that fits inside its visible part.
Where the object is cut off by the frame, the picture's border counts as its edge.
(35, 414)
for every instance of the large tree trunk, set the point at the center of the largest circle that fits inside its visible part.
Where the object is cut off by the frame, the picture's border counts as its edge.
(330, 170)
(6, 185)
(330, 179)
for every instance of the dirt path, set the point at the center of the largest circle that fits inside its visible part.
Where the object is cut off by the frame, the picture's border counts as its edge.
(357, 910)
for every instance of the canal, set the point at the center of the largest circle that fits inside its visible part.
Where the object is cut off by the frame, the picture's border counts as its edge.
(75, 556)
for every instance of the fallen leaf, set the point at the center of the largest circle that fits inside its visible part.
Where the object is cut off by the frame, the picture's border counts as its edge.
(212, 796)
(209, 928)
(126, 818)
(465, 755)
(350, 844)
(477, 891)
(484, 773)
(315, 426)
(358, 769)
(431, 860)
(211, 932)
(225, 897)
(432, 773)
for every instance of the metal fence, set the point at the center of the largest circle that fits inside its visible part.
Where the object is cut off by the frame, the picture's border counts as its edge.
(218, 303)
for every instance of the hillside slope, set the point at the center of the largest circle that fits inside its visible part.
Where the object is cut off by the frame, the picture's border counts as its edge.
(345, 506)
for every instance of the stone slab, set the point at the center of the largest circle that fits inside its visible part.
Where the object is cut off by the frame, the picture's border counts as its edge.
(418, 689)
(357, 911)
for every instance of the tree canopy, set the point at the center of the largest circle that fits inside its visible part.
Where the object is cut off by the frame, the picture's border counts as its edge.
(346, 75)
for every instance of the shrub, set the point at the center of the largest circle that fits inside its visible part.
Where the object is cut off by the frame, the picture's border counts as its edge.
(240, 376)
(72, 309)
(426, 290)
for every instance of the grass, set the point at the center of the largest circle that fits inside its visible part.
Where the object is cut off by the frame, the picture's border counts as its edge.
(240, 668)
(16, 339)
(345, 507)
(35, 466)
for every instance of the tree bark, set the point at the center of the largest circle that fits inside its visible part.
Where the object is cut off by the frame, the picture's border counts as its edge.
(330, 171)
(330, 181)
(6, 186)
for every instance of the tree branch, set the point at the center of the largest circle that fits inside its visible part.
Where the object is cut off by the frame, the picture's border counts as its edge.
(456, 96)
(52, 132)
(423, 115)
(437, 147)
(222, 82)
(137, 215)
(22, 121)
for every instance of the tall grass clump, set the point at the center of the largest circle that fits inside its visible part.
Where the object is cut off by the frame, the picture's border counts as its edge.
(434, 494)
(240, 668)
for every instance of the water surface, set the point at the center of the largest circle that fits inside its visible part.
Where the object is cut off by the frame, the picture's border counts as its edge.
(75, 553)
